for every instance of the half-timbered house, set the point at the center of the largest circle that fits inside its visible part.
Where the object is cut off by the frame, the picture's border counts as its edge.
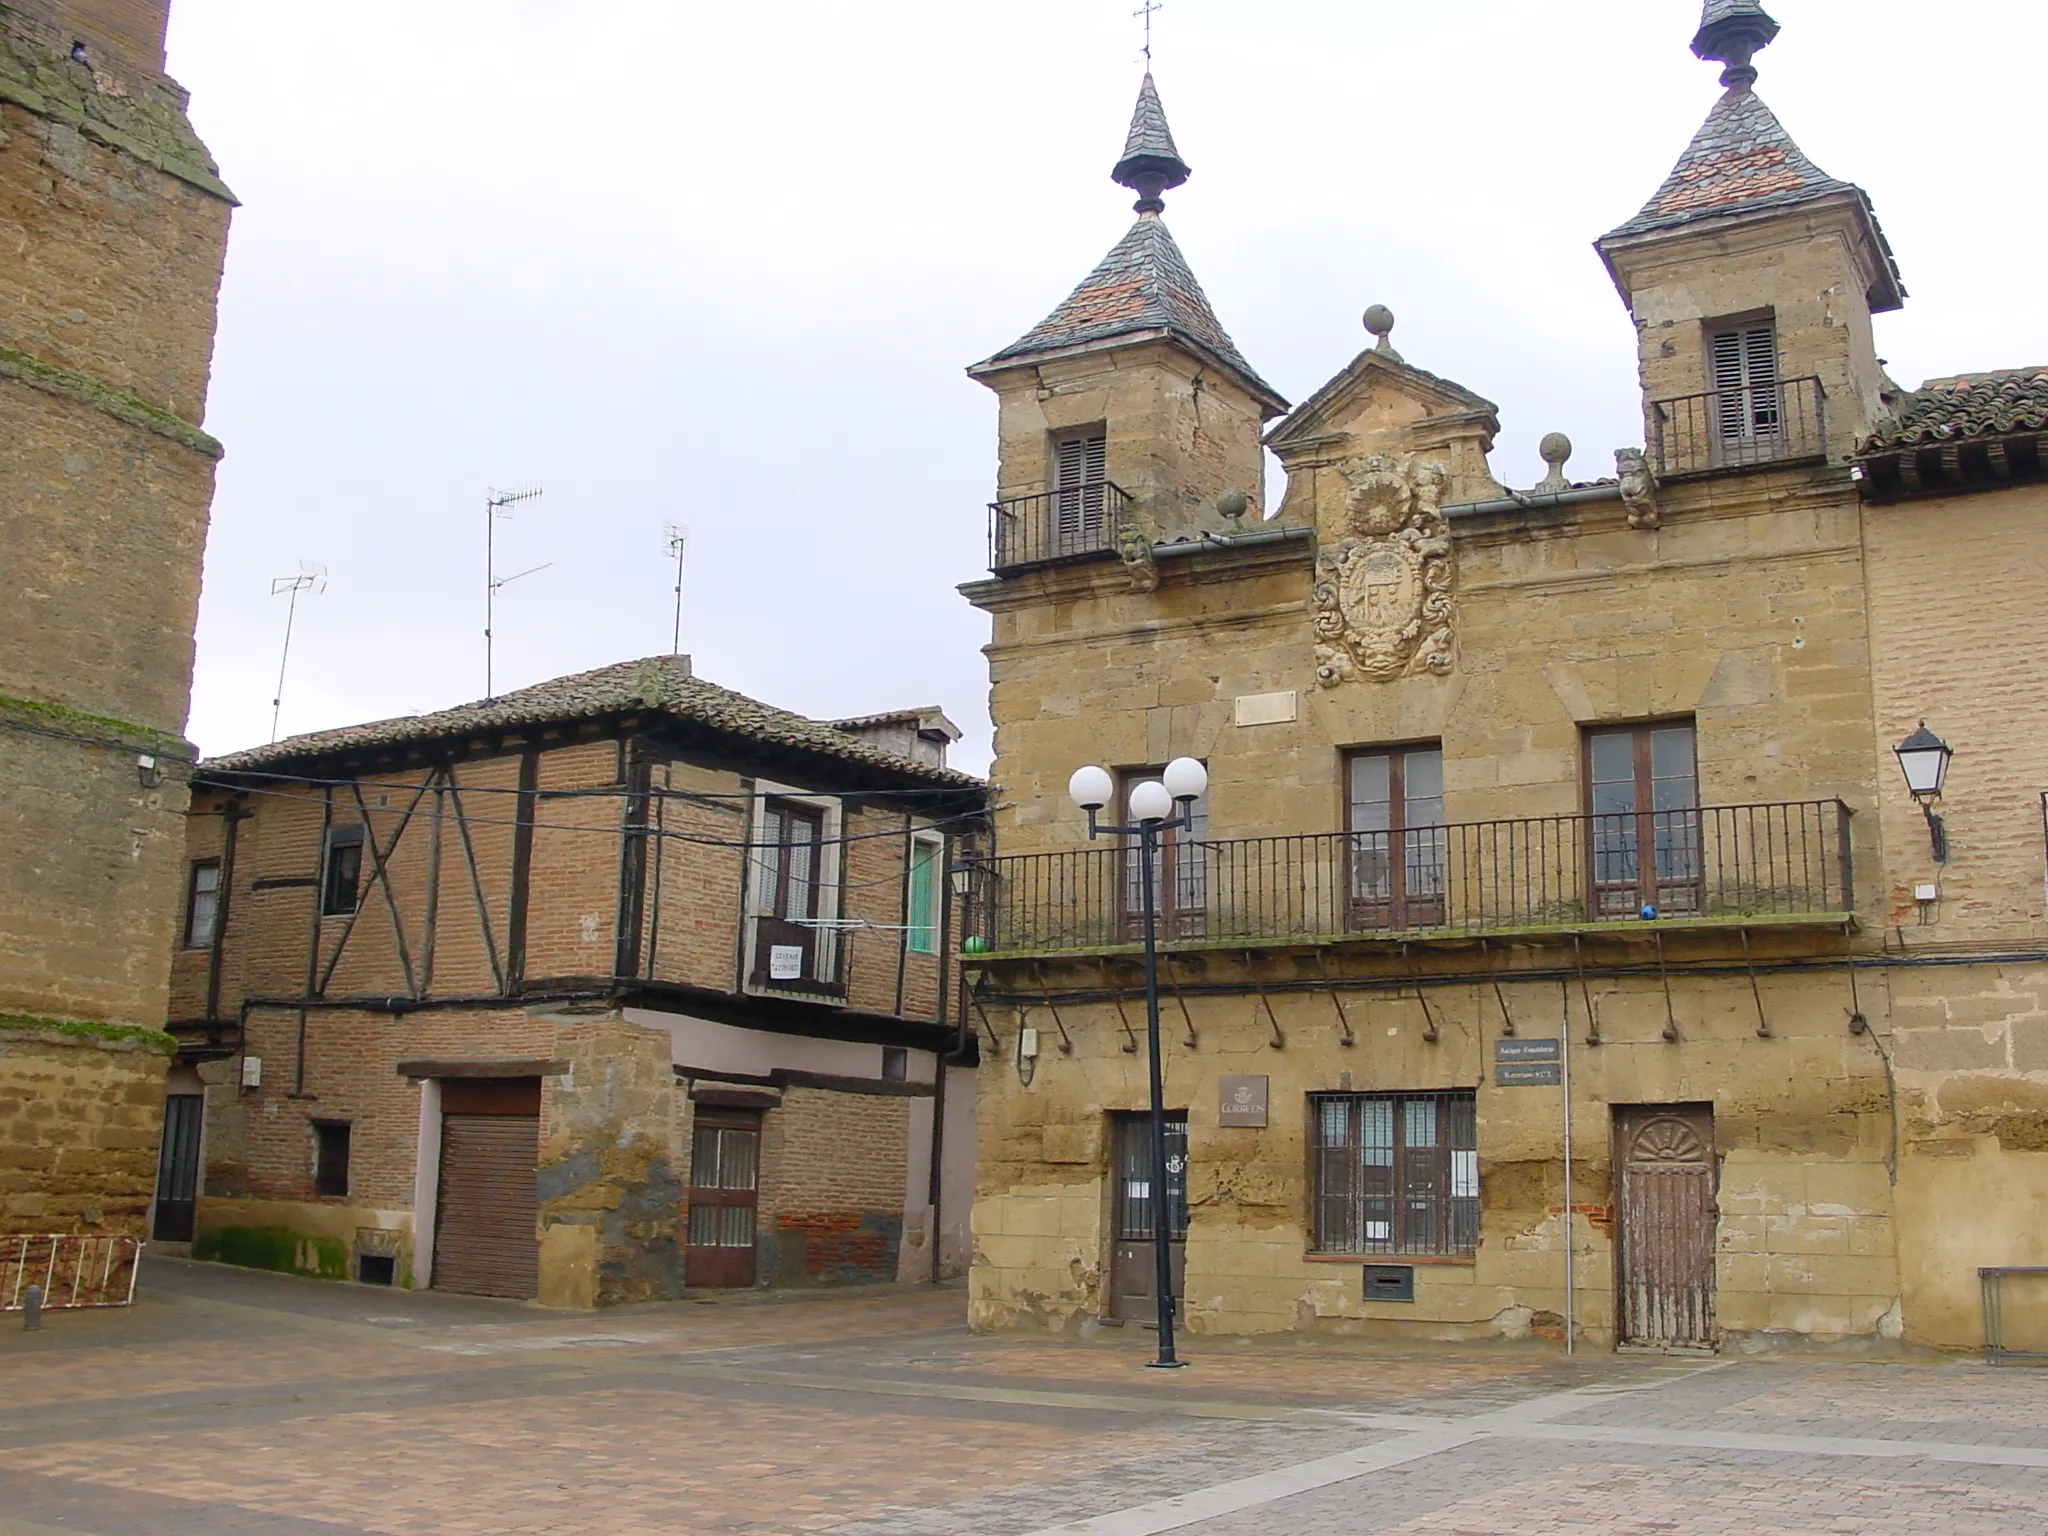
(612, 985)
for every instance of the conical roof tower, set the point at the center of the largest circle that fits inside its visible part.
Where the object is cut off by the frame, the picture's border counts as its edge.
(1144, 285)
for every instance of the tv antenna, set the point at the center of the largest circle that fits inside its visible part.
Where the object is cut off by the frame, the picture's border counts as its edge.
(496, 505)
(675, 543)
(312, 578)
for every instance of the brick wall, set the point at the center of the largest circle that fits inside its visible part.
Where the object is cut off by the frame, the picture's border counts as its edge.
(80, 1117)
(832, 1175)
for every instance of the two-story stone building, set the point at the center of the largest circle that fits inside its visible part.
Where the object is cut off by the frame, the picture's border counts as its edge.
(1557, 948)
(607, 986)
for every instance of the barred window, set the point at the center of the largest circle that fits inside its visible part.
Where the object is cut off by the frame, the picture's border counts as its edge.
(1396, 1173)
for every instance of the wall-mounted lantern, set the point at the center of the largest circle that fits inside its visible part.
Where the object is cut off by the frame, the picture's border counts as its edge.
(1923, 759)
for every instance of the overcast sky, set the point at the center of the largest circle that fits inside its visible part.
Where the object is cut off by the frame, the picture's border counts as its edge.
(722, 265)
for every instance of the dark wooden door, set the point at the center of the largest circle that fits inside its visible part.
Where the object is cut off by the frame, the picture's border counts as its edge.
(1666, 1215)
(177, 1169)
(486, 1219)
(1644, 830)
(1397, 843)
(1133, 1270)
(725, 1177)
(789, 866)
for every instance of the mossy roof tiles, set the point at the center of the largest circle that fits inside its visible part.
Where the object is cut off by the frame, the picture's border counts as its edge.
(1966, 406)
(656, 684)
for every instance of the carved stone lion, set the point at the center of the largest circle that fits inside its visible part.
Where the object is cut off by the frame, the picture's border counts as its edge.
(1638, 488)
(1382, 598)
(1134, 547)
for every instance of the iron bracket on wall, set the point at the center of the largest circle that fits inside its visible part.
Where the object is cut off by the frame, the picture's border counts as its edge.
(1670, 1016)
(1585, 993)
(1763, 1024)
(1345, 1036)
(1053, 1008)
(1429, 1029)
(1279, 1041)
(1186, 1018)
(1130, 1046)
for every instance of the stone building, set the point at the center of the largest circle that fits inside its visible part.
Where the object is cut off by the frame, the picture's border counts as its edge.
(1557, 948)
(113, 221)
(610, 985)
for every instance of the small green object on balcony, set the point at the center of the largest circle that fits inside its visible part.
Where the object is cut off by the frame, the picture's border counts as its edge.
(974, 944)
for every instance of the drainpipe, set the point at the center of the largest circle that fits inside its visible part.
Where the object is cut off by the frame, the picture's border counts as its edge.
(1571, 1276)
(935, 1190)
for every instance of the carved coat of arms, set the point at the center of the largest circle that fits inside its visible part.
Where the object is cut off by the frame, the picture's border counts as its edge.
(1382, 597)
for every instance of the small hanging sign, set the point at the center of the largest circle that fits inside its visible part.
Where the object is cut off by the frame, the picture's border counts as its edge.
(1242, 1101)
(785, 962)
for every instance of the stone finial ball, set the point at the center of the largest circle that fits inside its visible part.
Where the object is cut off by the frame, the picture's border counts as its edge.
(1233, 504)
(1379, 320)
(1555, 448)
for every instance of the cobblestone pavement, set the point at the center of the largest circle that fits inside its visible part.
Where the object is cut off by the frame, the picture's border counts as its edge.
(231, 1402)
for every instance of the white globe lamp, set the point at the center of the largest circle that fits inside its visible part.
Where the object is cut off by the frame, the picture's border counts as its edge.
(1090, 788)
(1186, 779)
(1151, 802)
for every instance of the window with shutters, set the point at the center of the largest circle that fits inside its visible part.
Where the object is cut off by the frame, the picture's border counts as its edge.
(1080, 473)
(1396, 1173)
(1395, 812)
(1748, 397)
(921, 919)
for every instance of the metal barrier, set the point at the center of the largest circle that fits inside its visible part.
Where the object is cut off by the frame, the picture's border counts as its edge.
(1733, 428)
(1072, 523)
(72, 1270)
(1992, 1278)
(1713, 863)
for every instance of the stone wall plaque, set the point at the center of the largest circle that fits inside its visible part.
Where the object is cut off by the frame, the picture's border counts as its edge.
(1529, 1074)
(1526, 1050)
(1242, 1101)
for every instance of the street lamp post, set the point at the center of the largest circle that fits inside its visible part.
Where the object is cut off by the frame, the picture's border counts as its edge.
(1156, 807)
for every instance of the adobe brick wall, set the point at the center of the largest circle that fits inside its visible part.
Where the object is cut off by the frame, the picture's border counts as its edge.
(832, 1172)
(81, 1113)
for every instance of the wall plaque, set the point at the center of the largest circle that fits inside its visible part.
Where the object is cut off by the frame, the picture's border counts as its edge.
(1242, 1101)
(1525, 1050)
(1528, 1074)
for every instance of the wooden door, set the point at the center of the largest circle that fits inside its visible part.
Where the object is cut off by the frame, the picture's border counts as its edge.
(1397, 844)
(789, 866)
(1133, 1270)
(1664, 1231)
(1643, 842)
(487, 1216)
(177, 1173)
(725, 1177)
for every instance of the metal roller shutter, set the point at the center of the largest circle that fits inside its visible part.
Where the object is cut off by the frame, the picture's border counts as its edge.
(484, 1241)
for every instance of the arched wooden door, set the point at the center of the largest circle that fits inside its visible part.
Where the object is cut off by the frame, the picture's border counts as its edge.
(1664, 1227)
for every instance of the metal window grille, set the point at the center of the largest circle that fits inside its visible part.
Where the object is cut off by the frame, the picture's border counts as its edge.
(1396, 1173)
(723, 1157)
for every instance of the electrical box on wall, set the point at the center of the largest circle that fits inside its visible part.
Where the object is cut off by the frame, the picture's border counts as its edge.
(252, 1071)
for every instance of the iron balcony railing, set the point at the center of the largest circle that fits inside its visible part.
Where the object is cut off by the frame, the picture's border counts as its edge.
(1731, 428)
(1066, 524)
(1712, 864)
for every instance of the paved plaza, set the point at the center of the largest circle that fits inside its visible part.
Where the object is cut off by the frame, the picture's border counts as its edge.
(229, 1401)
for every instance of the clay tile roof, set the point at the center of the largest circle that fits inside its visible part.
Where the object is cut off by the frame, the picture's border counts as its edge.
(656, 684)
(1742, 159)
(1143, 284)
(1968, 405)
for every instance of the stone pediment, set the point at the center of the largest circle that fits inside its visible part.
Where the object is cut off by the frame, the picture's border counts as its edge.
(1380, 404)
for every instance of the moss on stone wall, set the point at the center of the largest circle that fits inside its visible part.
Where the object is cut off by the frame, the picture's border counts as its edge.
(101, 397)
(87, 1030)
(79, 725)
(275, 1248)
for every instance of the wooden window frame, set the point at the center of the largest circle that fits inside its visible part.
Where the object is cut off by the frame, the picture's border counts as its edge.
(1677, 892)
(769, 920)
(348, 839)
(1455, 1214)
(193, 938)
(1401, 909)
(1182, 888)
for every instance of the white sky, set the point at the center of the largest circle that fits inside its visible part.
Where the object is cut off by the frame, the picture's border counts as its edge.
(722, 264)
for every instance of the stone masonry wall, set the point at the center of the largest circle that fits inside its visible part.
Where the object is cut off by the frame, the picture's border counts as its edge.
(81, 1113)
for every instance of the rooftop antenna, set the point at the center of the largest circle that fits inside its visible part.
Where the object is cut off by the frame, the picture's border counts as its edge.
(676, 543)
(496, 505)
(1145, 12)
(312, 578)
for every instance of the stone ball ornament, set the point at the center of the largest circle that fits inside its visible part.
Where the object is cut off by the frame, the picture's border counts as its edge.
(1556, 449)
(1379, 320)
(1233, 504)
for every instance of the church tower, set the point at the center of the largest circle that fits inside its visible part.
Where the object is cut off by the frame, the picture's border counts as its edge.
(1128, 406)
(1752, 277)
(114, 223)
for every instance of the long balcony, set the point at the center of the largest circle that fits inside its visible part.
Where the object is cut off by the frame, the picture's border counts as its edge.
(1072, 523)
(1728, 865)
(1738, 428)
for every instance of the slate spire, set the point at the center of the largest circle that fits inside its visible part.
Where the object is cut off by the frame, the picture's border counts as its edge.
(1150, 164)
(1734, 32)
